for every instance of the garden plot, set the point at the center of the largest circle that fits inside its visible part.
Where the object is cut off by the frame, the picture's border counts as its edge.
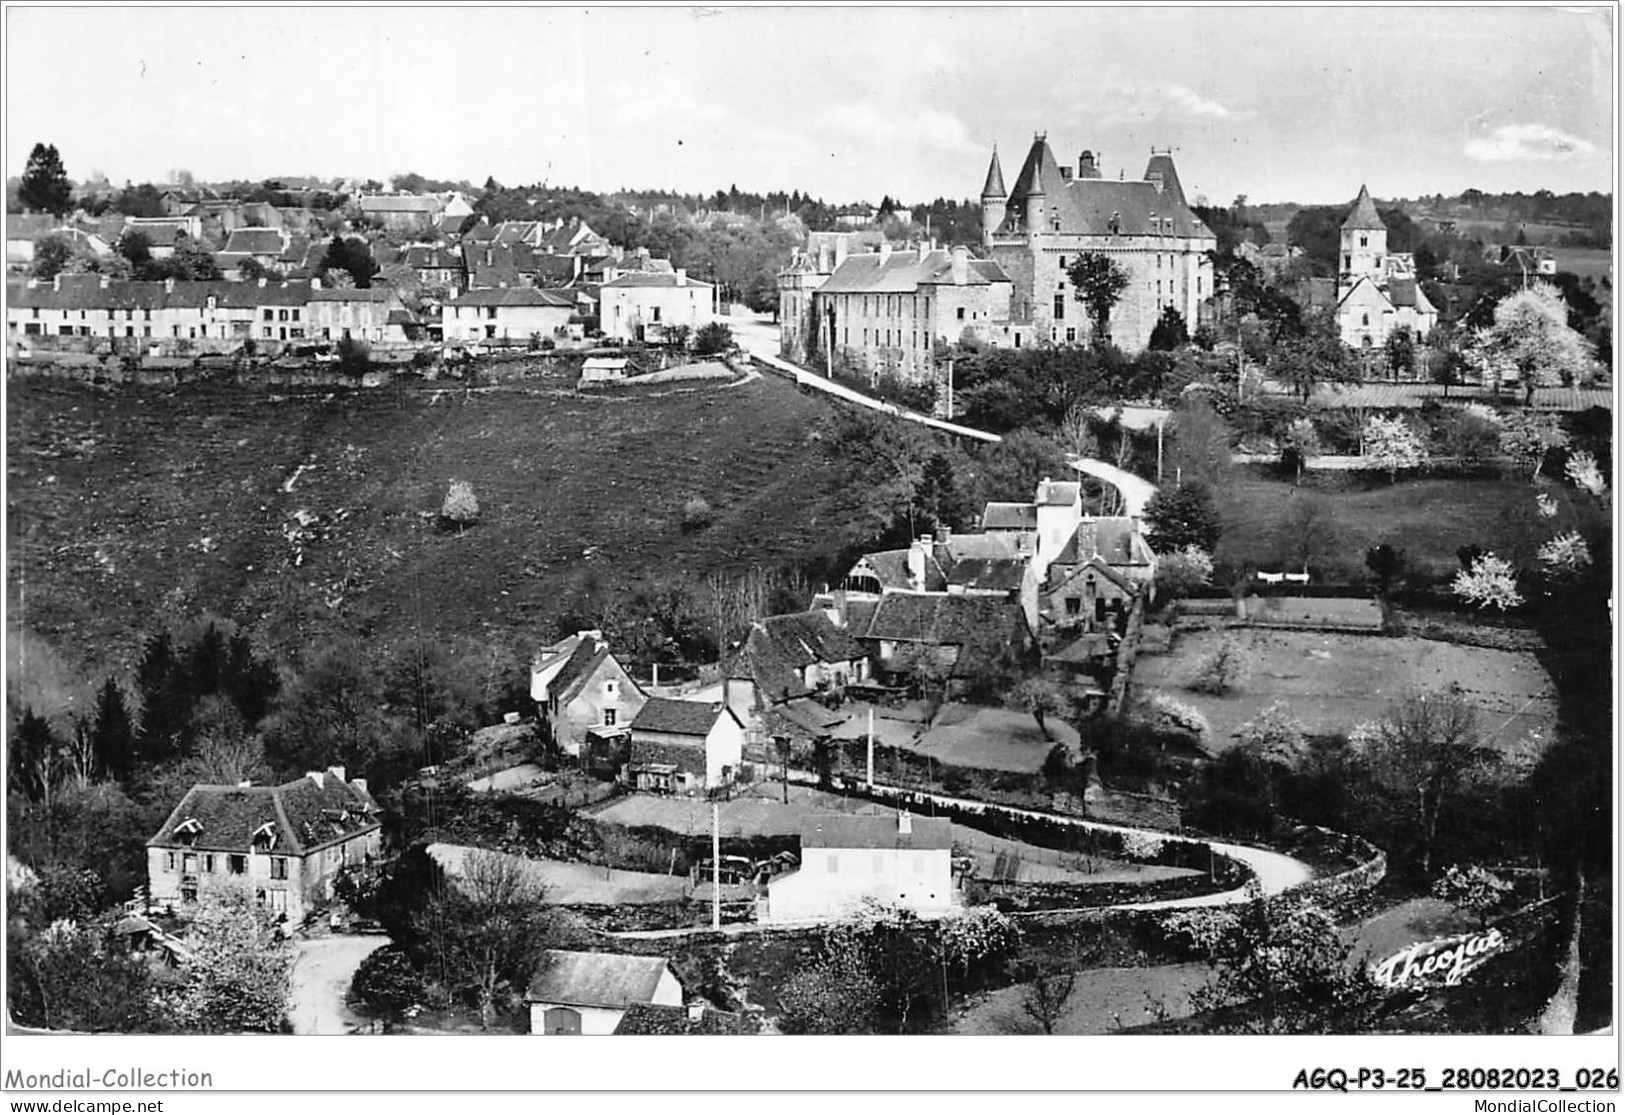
(577, 884)
(1331, 682)
(1103, 1001)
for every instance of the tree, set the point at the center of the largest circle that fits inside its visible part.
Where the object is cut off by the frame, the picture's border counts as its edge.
(251, 270)
(489, 928)
(1222, 670)
(386, 983)
(1318, 356)
(460, 509)
(192, 262)
(1391, 444)
(237, 977)
(135, 246)
(1473, 889)
(1169, 333)
(1181, 572)
(1488, 581)
(1307, 529)
(1419, 757)
(352, 256)
(712, 339)
(69, 976)
(1045, 995)
(51, 256)
(1527, 437)
(45, 186)
(113, 737)
(1386, 563)
(837, 995)
(34, 758)
(1531, 342)
(331, 713)
(1098, 282)
(1200, 450)
(1472, 433)
(1040, 697)
(1180, 517)
(1399, 352)
(1299, 444)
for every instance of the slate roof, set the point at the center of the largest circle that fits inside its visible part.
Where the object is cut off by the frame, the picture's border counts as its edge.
(988, 574)
(85, 292)
(595, 979)
(352, 294)
(1111, 538)
(981, 626)
(1364, 214)
(30, 226)
(1068, 571)
(297, 248)
(778, 648)
(255, 241)
(555, 270)
(678, 718)
(844, 830)
(994, 186)
(515, 296)
(1058, 493)
(584, 660)
(160, 236)
(515, 232)
(1009, 516)
(432, 258)
(301, 814)
(905, 272)
(1088, 206)
(891, 570)
(656, 279)
(654, 1018)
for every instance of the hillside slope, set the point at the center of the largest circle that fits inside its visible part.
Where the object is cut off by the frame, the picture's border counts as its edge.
(309, 515)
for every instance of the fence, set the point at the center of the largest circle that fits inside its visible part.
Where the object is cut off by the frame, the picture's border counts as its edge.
(817, 382)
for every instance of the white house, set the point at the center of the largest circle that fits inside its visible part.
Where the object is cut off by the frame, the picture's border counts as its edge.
(589, 992)
(507, 314)
(848, 860)
(644, 305)
(685, 746)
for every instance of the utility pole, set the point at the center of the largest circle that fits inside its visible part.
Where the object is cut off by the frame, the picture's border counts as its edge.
(716, 866)
(870, 782)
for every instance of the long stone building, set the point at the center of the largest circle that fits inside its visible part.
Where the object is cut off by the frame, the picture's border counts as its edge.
(1053, 213)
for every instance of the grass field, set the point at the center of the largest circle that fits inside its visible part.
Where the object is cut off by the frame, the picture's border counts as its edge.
(307, 516)
(1103, 1001)
(1333, 682)
(1429, 519)
(993, 739)
(1596, 263)
(576, 884)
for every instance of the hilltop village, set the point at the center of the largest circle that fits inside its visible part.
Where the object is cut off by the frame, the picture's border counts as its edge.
(564, 613)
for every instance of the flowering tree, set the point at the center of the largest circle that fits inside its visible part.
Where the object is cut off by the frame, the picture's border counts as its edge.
(1220, 671)
(1391, 444)
(1275, 735)
(1529, 437)
(1565, 555)
(1488, 581)
(1472, 888)
(237, 977)
(1183, 571)
(1531, 342)
(460, 508)
(1582, 471)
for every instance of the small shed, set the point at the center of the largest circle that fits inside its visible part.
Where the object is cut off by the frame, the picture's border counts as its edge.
(589, 992)
(603, 369)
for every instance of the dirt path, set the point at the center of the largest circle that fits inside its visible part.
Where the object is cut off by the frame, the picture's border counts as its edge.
(322, 970)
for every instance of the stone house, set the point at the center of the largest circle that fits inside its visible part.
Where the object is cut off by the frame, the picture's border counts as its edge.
(685, 746)
(286, 844)
(580, 688)
(645, 306)
(507, 314)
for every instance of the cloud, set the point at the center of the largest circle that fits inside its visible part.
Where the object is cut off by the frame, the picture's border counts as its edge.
(864, 123)
(1127, 103)
(1527, 142)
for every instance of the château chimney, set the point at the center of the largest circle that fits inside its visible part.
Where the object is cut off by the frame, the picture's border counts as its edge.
(1088, 165)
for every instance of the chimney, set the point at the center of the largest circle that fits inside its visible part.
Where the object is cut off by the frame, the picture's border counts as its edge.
(916, 564)
(839, 596)
(315, 283)
(682, 276)
(169, 286)
(360, 784)
(263, 280)
(336, 772)
(106, 282)
(1088, 165)
(1066, 174)
(56, 282)
(905, 824)
(961, 268)
(944, 535)
(840, 250)
(315, 776)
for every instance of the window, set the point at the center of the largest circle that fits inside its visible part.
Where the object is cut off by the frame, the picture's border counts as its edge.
(1071, 334)
(1365, 319)
(1348, 262)
(609, 718)
(657, 315)
(169, 861)
(1063, 263)
(129, 315)
(491, 312)
(282, 315)
(267, 332)
(270, 315)
(609, 686)
(35, 312)
(296, 315)
(236, 865)
(67, 330)
(279, 867)
(1060, 306)
(561, 1020)
(1362, 239)
(188, 892)
(960, 313)
(1073, 605)
(208, 865)
(189, 863)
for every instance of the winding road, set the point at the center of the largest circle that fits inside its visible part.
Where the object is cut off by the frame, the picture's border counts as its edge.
(322, 970)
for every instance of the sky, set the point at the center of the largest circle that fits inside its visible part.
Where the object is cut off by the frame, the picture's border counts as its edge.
(1299, 103)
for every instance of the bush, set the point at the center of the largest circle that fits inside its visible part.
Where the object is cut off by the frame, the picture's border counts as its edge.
(355, 359)
(1221, 671)
(386, 983)
(713, 339)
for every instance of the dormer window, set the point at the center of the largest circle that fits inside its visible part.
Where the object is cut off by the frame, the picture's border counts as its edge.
(264, 838)
(187, 831)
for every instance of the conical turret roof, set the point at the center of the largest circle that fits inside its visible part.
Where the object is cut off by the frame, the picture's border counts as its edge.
(994, 186)
(1364, 214)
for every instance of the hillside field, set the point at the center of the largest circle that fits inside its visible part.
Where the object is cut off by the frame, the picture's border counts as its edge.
(306, 515)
